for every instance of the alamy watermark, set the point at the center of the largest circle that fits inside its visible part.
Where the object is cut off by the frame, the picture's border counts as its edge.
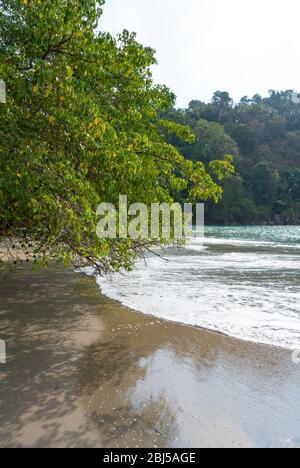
(2, 92)
(296, 357)
(159, 221)
(2, 352)
(296, 97)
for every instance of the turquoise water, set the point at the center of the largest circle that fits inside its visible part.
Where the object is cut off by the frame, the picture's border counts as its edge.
(289, 235)
(240, 281)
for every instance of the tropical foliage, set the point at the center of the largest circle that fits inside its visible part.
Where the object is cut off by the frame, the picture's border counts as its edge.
(82, 125)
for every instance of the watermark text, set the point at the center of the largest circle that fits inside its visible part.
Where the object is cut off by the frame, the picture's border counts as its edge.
(2, 92)
(2, 352)
(160, 221)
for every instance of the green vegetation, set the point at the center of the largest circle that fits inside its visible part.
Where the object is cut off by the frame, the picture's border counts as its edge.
(263, 134)
(82, 125)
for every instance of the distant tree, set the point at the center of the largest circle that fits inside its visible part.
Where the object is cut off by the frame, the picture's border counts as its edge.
(211, 143)
(223, 100)
(264, 183)
(257, 99)
(236, 207)
(245, 138)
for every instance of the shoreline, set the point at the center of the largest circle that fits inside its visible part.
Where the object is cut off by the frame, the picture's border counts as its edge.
(85, 371)
(198, 327)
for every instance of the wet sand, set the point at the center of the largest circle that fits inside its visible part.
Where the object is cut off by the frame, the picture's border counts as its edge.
(83, 371)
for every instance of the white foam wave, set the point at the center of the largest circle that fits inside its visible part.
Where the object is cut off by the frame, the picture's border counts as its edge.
(251, 296)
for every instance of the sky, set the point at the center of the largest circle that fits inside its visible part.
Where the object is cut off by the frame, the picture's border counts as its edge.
(241, 46)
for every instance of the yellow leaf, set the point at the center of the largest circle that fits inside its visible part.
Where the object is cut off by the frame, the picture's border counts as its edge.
(36, 89)
(51, 119)
(19, 175)
(130, 147)
(69, 72)
(48, 91)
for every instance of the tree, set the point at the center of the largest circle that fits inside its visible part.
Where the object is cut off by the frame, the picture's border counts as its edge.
(264, 183)
(81, 126)
(222, 99)
(236, 207)
(223, 105)
(211, 142)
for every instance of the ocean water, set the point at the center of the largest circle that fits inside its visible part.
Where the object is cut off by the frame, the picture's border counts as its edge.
(240, 281)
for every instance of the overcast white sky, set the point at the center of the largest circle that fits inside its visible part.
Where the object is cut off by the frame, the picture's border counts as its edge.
(240, 46)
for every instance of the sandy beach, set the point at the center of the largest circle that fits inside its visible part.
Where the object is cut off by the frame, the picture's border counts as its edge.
(84, 371)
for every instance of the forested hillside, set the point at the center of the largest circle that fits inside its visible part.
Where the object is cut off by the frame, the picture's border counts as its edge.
(263, 134)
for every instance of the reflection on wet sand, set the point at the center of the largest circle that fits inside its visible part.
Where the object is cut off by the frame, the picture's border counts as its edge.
(155, 383)
(85, 371)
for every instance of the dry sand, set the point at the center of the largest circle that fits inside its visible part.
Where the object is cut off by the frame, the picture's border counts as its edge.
(83, 371)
